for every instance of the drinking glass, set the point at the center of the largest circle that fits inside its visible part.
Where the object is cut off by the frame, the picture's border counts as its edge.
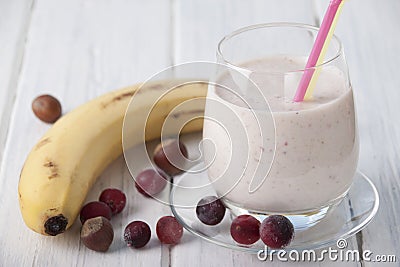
(265, 153)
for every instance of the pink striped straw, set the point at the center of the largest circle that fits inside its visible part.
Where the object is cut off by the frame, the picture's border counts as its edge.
(317, 48)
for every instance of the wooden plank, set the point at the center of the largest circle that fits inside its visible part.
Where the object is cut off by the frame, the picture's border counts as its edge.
(14, 23)
(200, 25)
(76, 50)
(371, 41)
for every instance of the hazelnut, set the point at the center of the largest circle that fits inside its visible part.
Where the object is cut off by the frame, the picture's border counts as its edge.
(97, 234)
(47, 108)
(170, 155)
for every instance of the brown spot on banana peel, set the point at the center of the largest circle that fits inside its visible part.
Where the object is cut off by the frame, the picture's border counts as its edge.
(53, 169)
(49, 164)
(157, 86)
(181, 113)
(118, 98)
(42, 143)
(20, 200)
(22, 169)
(53, 209)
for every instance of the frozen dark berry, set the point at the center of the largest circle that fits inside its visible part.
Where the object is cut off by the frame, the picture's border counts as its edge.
(114, 198)
(137, 234)
(245, 229)
(170, 155)
(150, 182)
(210, 210)
(276, 231)
(168, 230)
(95, 209)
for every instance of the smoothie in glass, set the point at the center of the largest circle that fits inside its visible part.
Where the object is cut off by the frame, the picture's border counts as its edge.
(315, 142)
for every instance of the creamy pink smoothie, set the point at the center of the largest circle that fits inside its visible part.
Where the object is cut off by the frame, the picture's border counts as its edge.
(313, 147)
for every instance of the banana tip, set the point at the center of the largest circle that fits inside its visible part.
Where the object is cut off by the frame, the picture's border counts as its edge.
(55, 225)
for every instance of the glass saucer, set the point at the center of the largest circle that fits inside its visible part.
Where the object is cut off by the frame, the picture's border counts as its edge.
(349, 217)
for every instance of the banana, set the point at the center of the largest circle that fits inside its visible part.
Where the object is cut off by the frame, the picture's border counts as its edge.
(61, 168)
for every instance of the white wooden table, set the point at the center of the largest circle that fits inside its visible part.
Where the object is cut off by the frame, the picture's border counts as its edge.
(79, 49)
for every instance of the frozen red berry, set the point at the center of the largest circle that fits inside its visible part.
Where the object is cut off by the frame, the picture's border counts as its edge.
(210, 210)
(245, 229)
(276, 231)
(150, 182)
(137, 234)
(170, 155)
(95, 209)
(114, 198)
(169, 230)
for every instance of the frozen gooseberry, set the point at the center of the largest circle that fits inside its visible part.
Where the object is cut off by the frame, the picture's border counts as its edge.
(150, 182)
(276, 231)
(95, 209)
(245, 229)
(114, 198)
(210, 210)
(137, 234)
(169, 230)
(170, 155)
